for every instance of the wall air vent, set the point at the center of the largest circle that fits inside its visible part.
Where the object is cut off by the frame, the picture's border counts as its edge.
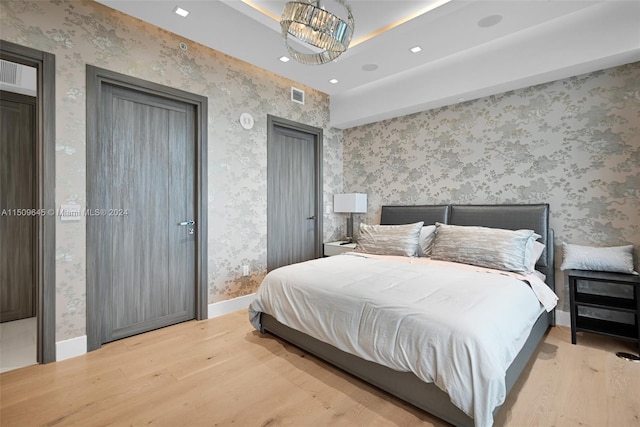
(297, 95)
(18, 78)
(9, 73)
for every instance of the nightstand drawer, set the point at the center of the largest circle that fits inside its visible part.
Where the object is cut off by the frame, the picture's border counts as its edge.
(583, 298)
(335, 248)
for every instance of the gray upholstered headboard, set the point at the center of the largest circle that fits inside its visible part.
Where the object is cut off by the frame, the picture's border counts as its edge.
(512, 217)
(429, 214)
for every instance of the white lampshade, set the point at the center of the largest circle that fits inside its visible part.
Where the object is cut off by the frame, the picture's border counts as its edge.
(350, 203)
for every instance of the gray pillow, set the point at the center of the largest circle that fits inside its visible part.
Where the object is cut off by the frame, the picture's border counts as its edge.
(616, 259)
(485, 247)
(389, 239)
(425, 241)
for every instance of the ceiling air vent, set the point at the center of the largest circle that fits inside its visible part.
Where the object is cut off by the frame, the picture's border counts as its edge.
(10, 73)
(297, 95)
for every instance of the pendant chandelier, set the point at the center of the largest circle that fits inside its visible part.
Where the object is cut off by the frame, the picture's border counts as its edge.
(326, 34)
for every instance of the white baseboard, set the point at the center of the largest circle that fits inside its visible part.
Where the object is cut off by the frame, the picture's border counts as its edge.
(229, 306)
(71, 348)
(563, 318)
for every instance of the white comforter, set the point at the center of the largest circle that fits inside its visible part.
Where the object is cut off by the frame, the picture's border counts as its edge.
(457, 326)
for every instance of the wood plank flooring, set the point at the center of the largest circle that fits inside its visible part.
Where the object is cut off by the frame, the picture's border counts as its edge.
(221, 372)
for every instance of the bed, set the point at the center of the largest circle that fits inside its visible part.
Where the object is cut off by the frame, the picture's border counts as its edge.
(420, 385)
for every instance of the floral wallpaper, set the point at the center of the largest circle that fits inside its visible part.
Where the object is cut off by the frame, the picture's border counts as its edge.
(572, 143)
(86, 32)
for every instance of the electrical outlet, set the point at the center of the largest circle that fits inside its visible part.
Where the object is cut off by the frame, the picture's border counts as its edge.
(245, 270)
(327, 208)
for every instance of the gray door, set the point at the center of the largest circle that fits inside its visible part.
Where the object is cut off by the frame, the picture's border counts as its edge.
(146, 166)
(17, 203)
(293, 212)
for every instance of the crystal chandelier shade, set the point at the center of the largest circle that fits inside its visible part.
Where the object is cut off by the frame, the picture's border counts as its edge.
(309, 23)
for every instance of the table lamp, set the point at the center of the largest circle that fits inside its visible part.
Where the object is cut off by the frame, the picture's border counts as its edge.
(350, 203)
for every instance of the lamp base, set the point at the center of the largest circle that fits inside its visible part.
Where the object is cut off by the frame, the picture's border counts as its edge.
(349, 229)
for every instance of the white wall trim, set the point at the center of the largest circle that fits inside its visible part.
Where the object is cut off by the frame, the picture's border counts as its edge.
(563, 318)
(71, 348)
(229, 306)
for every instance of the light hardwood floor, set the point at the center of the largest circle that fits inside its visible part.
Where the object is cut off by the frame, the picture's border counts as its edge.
(221, 372)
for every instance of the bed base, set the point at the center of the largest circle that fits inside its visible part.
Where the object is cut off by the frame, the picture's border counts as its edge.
(405, 385)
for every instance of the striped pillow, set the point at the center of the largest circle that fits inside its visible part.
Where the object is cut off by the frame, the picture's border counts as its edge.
(485, 247)
(389, 239)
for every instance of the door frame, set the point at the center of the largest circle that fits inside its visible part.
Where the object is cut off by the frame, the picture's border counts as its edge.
(96, 77)
(45, 64)
(272, 122)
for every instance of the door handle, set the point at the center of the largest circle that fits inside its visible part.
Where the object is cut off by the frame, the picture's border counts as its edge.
(311, 217)
(189, 224)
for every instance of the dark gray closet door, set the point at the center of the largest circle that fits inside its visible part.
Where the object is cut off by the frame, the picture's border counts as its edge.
(292, 198)
(17, 198)
(147, 165)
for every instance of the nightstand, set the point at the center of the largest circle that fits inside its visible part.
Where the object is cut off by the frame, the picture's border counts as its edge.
(335, 248)
(578, 298)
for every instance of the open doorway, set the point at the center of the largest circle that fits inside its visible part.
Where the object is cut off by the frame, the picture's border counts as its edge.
(18, 322)
(27, 204)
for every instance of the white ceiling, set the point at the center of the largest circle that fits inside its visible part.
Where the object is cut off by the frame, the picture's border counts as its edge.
(536, 41)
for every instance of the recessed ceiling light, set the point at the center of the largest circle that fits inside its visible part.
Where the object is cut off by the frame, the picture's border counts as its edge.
(180, 11)
(489, 21)
(415, 49)
(284, 59)
(333, 81)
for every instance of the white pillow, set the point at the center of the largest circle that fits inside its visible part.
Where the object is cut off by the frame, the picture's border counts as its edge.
(536, 253)
(389, 239)
(616, 259)
(427, 236)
